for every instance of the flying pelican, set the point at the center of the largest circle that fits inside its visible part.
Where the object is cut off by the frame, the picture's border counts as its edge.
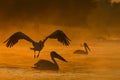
(37, 46)
(48, 65)
(83, 51)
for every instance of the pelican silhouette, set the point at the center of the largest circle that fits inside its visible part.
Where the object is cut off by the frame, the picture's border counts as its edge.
(37, 46)
(83, 51)
(48, 65)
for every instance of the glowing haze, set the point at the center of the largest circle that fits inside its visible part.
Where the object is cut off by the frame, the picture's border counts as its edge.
(77, 18)
(116, 0)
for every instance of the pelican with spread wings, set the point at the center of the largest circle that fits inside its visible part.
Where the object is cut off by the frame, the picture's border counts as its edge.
(37, 46)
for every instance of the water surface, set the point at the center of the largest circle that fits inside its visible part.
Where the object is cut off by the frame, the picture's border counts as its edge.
(102, 63)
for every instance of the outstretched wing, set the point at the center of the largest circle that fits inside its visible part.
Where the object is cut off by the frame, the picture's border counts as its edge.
(13, 39)
(60, 36)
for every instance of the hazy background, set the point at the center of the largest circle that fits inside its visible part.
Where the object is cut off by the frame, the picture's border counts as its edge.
(116, 0)
(93, 21)
(80, 19)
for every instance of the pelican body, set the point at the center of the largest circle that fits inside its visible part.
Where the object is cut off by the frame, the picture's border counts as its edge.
(37, 46)
(48, 65)
(83, 51)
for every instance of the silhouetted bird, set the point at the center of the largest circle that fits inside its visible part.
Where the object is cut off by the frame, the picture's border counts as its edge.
(83, 51)
(38, 46)
(47, 65)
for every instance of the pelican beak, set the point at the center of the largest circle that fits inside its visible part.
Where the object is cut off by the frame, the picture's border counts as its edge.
(88, 48)
(63, 59)
(85, 44)
(54, 54)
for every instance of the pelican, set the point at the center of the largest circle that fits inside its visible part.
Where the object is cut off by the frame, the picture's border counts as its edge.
(83, 51)
(48, 65)
(37, 46)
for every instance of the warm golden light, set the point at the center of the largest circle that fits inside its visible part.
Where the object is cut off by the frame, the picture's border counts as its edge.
(116, 0)
(83, 21)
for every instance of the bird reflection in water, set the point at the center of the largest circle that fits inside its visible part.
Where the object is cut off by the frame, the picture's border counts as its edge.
(48, 65)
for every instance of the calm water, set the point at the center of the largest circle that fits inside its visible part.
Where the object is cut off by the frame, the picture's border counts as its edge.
(102, 63)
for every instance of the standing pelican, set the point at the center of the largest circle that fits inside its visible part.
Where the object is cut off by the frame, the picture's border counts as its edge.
(47, 65)
(82, 51)
(37, 46)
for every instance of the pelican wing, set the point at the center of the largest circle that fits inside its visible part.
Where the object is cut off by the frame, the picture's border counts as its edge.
(13, 39)
(60, 36)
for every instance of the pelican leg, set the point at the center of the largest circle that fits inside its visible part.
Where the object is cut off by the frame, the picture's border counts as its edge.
(38, 54)
(34, 55)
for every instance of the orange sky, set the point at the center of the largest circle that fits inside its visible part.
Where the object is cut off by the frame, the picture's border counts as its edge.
(116, 0)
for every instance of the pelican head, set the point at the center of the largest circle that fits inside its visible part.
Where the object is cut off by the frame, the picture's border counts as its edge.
(40, 41)
(55, 55)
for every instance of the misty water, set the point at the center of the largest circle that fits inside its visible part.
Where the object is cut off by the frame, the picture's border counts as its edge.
(102, 63)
